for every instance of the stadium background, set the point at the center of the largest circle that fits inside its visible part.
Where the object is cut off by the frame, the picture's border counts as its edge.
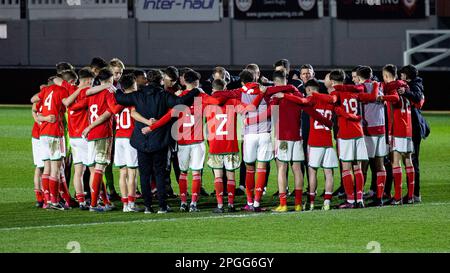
(41, 33)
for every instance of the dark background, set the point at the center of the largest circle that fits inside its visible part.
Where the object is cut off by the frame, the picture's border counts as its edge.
(19, 84)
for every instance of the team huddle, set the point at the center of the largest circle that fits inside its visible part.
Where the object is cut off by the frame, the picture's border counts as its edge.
(289, 119)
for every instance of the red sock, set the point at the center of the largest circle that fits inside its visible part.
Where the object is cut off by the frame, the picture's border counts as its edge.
(410, 176)
(96, 184)
(397, 171)
(80, 197)
(231, 187)
(347, 180)
(218, 186)
(196, 186)
(312, 197)
(124, 201)
(39, 195)
(260, 182)
(359, 179)
(53, 184)
(46, 188)
(104, 194)
(328, 195)
(381, 181)
(131, 198)
(182, 183)
(249, 185)
(298, 197)
(283, 199)
(64, 191)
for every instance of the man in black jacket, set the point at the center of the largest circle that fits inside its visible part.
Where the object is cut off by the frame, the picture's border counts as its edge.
(420, 126)
(153, 102)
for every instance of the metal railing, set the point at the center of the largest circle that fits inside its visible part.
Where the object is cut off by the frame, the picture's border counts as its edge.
(430, 48)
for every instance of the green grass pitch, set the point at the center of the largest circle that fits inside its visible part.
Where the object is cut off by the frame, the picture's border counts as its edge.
(421, 227)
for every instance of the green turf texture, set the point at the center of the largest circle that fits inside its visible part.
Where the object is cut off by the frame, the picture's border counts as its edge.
(414, 228)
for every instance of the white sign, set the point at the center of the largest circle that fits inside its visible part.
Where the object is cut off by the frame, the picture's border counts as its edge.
(3, 32)
(177, 10)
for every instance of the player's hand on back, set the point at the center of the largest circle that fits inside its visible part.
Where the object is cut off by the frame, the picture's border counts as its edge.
(86, 132)
(278, 95)
(146, 130)
(50, 118)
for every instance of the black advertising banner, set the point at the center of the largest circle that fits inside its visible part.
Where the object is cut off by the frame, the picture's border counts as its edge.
(380, 9)
(279, 9)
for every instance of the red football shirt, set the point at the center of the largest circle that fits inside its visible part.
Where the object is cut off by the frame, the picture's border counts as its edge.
(402, 118)
(319, 134)
(78, 120)
(97, 105)
(124, 123)
(51, 98)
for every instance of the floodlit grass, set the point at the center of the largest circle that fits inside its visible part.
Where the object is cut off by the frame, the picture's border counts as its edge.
(417, 228)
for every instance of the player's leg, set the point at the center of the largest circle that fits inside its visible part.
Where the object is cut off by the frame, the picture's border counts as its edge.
(183, 163)
(55, 171)
(78, 184)
(131, 187)
(359, 181)
(410, 175)
(312, 173)
(264, 156)
(218, 187)
(397, 173)
(231, 187)
(347, 156)
(123, 187)
(63, 188)
(197, 158)
(46, 183)
(298, 184)
(250, 148)
(329, 183)
(282, 181)
(38, 187)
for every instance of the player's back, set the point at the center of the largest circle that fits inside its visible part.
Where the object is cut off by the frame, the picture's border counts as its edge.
(78, 120)
(373, 113)
(289, 122)
(124, 123)
(97, 105)
(349, 129)
(51, 97)
(260, 126)
(402, 118)
(319, 134)
(222, 128)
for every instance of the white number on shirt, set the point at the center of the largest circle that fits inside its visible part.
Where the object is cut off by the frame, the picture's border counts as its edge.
(94, 115)
(124, 119)
(326, 114)
(405, 105)
(48, 101)
(224, 119)
(351, 105)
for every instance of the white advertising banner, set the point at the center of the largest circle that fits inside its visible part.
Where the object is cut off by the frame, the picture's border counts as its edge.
(177, 10)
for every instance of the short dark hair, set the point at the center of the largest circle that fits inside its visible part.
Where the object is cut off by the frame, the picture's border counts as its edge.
(247, 76)
(127, 81)
(283, 62)
(85, 73)
(219, 85)
(61, 66)
(191, 76)
(356, 68)
(184, 70)
(69, 75)
(306, 66)
(410, 71)
(172, 72)
(279, 74)
(390, 68)
(252, 67)
(313, 83)
(365, 72)
(337, 75)
(139, 72)
(98, 62)
(155, 76)
(104, 74)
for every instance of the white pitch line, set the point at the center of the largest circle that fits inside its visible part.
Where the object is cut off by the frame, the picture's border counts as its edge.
(142, 221)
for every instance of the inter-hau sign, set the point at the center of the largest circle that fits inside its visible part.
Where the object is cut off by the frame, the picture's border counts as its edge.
(380, 9)
(177, 10)
(268, 9)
